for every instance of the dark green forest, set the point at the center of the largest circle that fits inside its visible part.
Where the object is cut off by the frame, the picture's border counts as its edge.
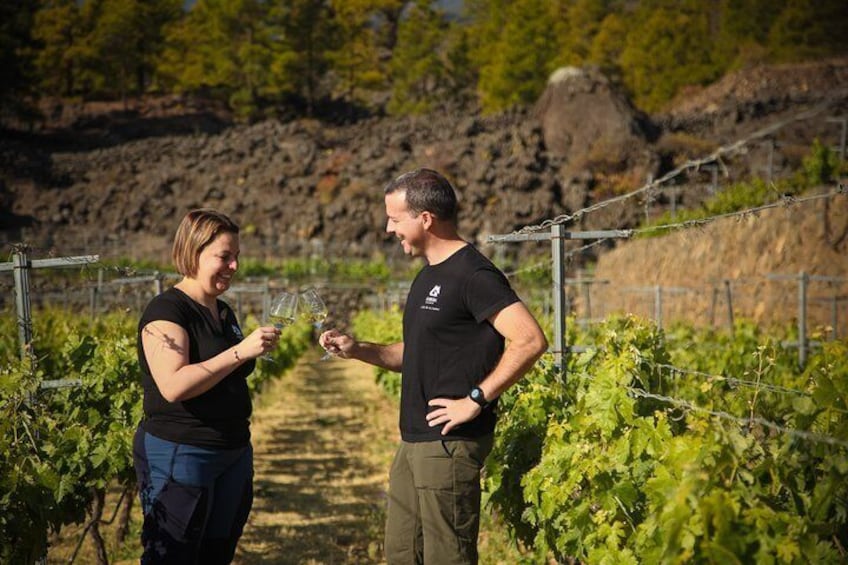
(392, 56)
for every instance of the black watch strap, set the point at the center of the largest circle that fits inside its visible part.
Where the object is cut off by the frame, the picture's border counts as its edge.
(478, 396)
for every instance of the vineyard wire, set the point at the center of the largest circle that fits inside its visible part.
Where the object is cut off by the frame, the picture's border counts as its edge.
(785, 202)
(566, 256)
(732, 380)
(692, 164)
(748, 212)
(688, 405)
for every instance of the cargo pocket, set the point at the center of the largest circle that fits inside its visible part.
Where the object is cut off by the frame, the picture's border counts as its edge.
(180, 511)
(173, 528)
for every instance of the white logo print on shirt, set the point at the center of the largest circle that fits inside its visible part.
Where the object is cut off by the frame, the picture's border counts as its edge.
(430, 301)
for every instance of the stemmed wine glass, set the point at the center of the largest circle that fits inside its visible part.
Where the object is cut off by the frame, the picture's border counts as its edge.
(282, 313)
(315, 311)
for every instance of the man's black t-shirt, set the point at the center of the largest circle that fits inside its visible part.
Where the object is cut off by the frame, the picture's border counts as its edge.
(449, 346)
(218, 418)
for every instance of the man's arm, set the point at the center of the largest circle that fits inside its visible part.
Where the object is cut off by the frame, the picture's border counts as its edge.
(389, 356)
(525, 344)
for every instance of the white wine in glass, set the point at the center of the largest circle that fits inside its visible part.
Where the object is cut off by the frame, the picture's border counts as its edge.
(282, 313)
(315, 311)
(283, 309)
(316, 318)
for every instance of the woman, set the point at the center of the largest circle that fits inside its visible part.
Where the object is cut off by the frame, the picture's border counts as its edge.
(192, 451)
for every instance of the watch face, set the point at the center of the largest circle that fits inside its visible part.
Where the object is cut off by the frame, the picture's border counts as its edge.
(476, 394)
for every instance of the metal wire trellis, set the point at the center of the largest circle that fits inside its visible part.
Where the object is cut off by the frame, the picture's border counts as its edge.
(654, 184)
(690, 406)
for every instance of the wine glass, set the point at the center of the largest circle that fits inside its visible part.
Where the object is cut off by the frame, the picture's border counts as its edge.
(315, 311)
(282, 313)
(283, 309)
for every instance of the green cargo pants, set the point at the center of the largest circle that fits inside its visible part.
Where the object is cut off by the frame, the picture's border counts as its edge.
(434, 502)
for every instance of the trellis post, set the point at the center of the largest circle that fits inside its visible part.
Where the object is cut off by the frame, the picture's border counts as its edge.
(728, 293)
(803, 283)
(557, 237)
(843, 136)
(804, 344)
(20, 266)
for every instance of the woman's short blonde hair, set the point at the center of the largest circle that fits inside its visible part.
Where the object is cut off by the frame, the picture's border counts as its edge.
(198, 229)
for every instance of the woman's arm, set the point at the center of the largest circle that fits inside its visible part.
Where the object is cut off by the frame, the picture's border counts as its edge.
(165, 346)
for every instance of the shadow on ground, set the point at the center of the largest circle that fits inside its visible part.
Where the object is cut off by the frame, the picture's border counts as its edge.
(320, 469)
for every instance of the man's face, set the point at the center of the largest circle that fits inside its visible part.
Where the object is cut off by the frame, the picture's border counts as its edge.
(407, 228)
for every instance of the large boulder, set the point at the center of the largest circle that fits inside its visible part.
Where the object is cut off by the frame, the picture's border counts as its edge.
(591, 124)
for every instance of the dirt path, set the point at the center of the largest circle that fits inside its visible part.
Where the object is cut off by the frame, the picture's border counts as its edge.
(323, 438)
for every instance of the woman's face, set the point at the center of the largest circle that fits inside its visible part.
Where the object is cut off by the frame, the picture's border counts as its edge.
(217, 264)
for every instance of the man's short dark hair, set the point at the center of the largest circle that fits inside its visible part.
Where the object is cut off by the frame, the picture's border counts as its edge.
(426, 190)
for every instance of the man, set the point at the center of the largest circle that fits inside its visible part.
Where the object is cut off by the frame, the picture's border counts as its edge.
(459, 312)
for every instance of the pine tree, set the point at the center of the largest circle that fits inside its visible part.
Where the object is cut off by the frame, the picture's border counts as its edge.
(486, 20)
(310, 36)
(608, 44)
(667, 47)
(417, 68)
(807, 29)
(577, 24)
(356, 59)
(16, 52)
(225, 49)
(154, 17)
(522, 57)
(744, 28)
(57, 28)
(114, 43)
(461, 74)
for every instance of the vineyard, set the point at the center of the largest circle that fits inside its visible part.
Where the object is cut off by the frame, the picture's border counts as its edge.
(652, 444)
(671, 447)
(646, 442)
(636, 440)
(63, 448)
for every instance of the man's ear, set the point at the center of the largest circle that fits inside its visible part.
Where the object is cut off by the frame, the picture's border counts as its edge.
(427, 219)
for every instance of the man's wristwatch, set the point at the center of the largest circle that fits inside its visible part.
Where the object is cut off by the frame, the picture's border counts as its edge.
(477, 396)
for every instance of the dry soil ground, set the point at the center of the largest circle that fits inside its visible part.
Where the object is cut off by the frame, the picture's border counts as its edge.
(323, 442)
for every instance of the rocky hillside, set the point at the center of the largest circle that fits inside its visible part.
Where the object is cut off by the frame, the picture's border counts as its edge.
(116, 180)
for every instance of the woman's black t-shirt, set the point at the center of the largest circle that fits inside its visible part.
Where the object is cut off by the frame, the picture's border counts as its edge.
(448, 344)
(218, 418)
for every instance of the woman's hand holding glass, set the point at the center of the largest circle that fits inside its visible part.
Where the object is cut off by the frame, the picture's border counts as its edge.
(258, 343)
